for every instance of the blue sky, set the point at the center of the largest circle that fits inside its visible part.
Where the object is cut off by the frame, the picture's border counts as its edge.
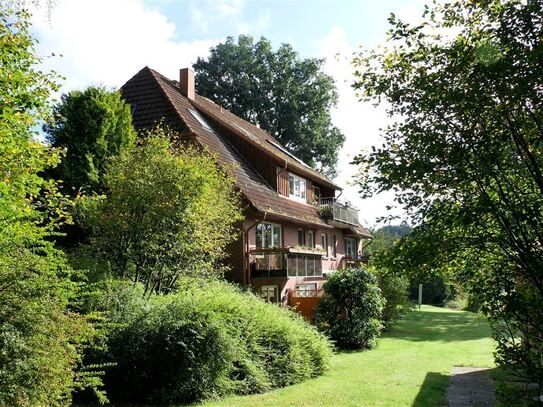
(298, 22)
(105, 42)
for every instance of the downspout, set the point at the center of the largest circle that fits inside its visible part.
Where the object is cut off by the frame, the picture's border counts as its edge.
(366, 245)
(247, 274)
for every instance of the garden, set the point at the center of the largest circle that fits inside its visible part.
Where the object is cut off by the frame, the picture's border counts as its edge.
(112, 243)
(409, 367)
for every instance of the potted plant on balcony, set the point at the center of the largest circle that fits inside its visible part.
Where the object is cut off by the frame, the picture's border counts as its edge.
(326, 211)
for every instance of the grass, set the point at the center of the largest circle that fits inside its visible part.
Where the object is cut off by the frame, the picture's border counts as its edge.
(409, 367)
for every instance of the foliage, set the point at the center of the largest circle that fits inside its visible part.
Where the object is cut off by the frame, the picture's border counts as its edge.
(326, 211)
(208, 340)
(39, 336)
(395, 291)
(410, 367)
(167, 213)
(287, 96)
(436, 289)
(351, 308)
(464, 154)
(94, 126)
(385, 237)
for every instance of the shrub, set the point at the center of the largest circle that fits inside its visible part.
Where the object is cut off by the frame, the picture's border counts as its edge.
(436, 290)
(395, 291)
(351, 308)
(208, 340)
(167, 213)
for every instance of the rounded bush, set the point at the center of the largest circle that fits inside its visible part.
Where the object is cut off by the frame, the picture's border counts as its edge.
(209, 340)
(350, 309)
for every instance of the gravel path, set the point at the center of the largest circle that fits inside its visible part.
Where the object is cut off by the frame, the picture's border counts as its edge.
(470, 387)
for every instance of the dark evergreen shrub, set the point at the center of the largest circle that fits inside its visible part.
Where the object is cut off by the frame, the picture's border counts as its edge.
(351, 308)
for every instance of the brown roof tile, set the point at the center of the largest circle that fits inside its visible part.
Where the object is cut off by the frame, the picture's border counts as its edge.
(154, 96)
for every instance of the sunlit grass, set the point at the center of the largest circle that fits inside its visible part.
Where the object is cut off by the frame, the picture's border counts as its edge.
(409, 367)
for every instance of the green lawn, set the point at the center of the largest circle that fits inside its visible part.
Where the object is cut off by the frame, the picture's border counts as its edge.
(409, 367)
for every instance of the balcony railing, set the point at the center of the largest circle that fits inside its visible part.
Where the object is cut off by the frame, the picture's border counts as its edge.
(359, 260)
(306, 293)
(336, 210)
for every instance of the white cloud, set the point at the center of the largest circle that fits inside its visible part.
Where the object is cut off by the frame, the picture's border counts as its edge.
(205, 13)
(106, 42)
(359, 121)
(257, 27)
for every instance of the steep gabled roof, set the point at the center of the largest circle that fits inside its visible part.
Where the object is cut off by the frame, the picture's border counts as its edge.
(154, 96)
(261, 138)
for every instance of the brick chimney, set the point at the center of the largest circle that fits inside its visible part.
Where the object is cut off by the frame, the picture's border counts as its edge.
(186, 82)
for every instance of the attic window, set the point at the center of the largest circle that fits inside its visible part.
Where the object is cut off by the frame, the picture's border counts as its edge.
(284, 150)
(200, 119)
(297, 187)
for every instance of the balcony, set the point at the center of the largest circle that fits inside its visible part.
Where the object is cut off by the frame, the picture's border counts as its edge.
(286, 262)
(338, 213)
(268, 262)
(358, 261)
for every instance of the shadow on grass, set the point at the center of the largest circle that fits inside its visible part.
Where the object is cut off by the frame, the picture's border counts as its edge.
(433, 390)
(441, 326)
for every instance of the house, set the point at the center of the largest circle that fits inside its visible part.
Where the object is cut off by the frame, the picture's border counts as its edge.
(295, 230)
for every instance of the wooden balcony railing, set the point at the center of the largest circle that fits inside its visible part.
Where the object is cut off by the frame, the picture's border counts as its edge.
(314, 293)
(305, 302)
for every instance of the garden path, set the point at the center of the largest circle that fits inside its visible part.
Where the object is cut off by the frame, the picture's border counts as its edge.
(470, 387)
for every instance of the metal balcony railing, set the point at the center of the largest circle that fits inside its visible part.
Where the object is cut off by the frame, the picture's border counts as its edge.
(334, 209)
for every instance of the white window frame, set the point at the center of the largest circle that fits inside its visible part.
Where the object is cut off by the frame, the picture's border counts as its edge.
(306, 290)
(349, 248)
(324, 242)
(272, 243)
(298, 191)
(305, 265)
(310, 239)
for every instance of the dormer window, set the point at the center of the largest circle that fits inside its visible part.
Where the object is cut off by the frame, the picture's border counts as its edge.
(297, 187)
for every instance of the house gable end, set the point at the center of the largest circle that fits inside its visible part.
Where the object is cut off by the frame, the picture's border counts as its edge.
(149, 105)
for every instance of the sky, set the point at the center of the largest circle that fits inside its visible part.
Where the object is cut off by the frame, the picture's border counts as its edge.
(105, 42)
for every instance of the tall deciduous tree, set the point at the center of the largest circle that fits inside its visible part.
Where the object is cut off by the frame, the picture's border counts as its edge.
(93, 126)
(466, 153)
(287, 96)
(166, 213)
(38, 336)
